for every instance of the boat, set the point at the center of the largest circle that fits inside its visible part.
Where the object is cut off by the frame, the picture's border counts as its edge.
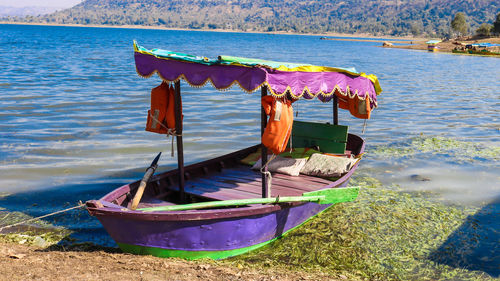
(432, 45)
(221, 207)
(483, 49)
(483, 52)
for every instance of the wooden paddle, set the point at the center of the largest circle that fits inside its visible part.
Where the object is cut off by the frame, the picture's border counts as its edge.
(325, 196)
(149, 172)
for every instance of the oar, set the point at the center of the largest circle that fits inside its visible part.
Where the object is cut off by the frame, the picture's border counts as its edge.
(149, 172)
(325, 196)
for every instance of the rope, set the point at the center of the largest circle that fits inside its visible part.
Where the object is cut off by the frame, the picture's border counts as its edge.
(268, 174)
(267, 163)
(172, 147)
(269, 177)
(80, 205)
(170, 132)
(364, 126)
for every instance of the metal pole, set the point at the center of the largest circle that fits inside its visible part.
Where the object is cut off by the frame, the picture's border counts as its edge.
(263, 124)
(178, 131)
(335, 110)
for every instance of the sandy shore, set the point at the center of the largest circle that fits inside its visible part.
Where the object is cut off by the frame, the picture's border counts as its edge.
(23, 262)
(445, 46)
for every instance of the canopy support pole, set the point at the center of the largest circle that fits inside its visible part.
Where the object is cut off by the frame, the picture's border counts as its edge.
(263, 124)
(335, 110)
(178, 132)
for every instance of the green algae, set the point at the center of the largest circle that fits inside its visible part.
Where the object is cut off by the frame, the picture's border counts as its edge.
(38, 232)
(464, 151)
(42, 240)
(386, 234)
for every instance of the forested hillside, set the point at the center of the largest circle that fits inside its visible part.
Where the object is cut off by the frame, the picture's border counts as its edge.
(378, 17)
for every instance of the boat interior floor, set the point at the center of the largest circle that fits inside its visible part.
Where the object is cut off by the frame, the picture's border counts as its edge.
(240, 182)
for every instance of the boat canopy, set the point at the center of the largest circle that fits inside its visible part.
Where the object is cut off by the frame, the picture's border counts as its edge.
(282, 79)
(485, 45)
(433, 42)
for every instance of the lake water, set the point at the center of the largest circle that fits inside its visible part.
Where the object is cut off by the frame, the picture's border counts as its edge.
(73, 112)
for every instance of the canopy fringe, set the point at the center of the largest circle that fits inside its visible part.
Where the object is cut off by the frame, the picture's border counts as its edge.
(347, 93)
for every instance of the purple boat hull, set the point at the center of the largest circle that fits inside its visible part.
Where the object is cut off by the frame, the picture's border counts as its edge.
(209, 235)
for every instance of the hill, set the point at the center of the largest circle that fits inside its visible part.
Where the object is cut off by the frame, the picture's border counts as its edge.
(377, 17)
(25, 11)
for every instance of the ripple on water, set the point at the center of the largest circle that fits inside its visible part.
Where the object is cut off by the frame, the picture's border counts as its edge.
(77, 113)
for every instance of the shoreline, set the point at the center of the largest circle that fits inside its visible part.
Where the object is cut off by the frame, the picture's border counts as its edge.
(147, 27)
(404, 42)
(445, 46)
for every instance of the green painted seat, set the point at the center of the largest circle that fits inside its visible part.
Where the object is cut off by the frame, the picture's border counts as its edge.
(329, 138)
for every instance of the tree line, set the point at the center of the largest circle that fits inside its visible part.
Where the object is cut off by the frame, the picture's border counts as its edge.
(460, 25)
(377, 17)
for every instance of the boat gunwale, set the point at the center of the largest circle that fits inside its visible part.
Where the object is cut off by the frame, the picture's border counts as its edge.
(97, 208)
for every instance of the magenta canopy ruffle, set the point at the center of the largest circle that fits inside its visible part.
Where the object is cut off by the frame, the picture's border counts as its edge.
(282, 79)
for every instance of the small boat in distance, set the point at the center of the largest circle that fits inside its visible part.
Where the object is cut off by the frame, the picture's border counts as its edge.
(432, 45)
(483, 49)
(222, 207)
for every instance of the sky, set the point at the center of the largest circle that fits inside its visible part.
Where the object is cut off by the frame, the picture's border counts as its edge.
(41, 3)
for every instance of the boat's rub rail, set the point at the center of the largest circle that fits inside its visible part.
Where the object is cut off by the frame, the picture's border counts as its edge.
(190, 215)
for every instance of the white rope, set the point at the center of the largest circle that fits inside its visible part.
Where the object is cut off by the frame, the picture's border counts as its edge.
(172, 147)
(364, 126)
(269, 177)
(267, 163)
(80, 205)
(170, 132)
(267, 174)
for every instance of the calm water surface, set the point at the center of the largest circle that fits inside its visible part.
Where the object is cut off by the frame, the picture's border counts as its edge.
(73, 112)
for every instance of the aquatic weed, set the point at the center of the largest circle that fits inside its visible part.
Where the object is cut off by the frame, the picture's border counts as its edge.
(464, 151)
(37, 232)
(386, 234)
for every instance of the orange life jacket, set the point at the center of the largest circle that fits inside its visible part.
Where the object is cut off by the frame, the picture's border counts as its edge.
(279, 126)
(358, 107)
(161, 116)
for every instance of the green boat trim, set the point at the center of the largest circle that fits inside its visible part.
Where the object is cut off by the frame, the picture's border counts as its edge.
(193, 255)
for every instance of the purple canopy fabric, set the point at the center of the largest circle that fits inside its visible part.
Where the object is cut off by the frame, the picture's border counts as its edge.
(304, 81)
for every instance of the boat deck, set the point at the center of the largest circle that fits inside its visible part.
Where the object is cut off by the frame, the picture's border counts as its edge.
(241, 182)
